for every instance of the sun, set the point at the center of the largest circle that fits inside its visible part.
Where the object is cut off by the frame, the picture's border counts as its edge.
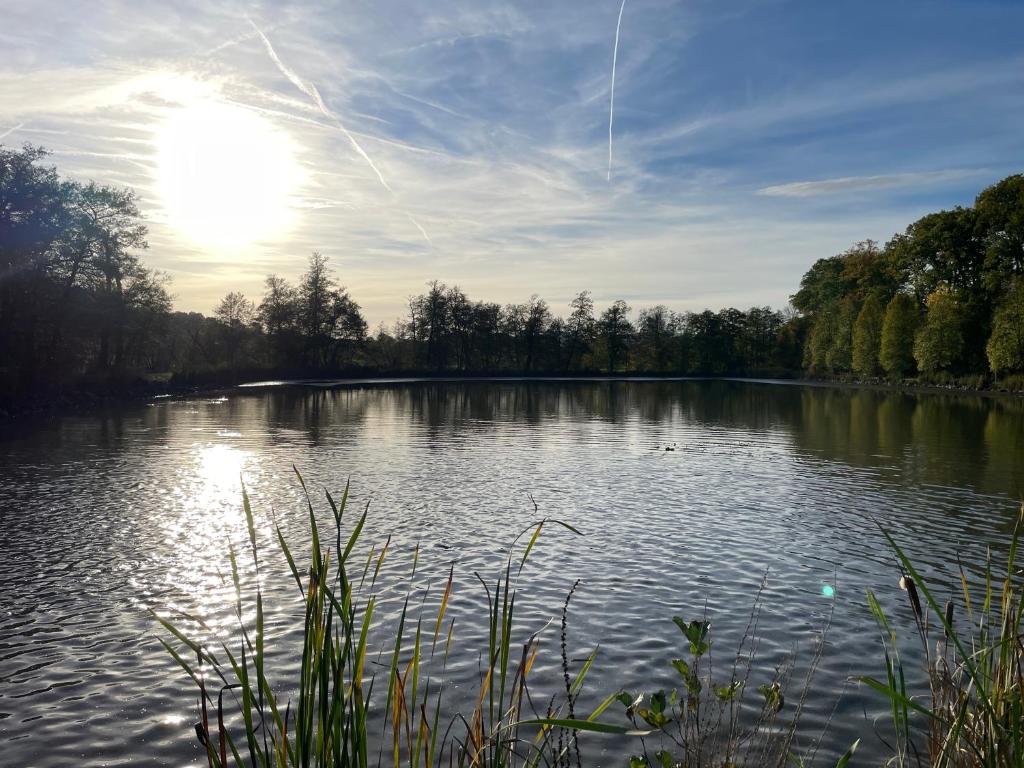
(226, 175)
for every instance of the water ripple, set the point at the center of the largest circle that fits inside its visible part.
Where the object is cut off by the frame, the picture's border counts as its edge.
(688, 493)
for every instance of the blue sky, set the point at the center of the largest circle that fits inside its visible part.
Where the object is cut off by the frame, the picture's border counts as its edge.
(468, 141)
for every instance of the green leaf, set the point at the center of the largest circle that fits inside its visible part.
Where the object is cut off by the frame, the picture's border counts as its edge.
(583, 725)
(529, 547)
(773, 698)
(603, 706)
(695, 632)
(653, 718)
(896, 696)
(728, 692)
(845, 759)
(658, 702)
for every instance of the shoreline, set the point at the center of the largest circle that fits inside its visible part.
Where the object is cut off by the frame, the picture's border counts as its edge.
(910, 388)
(873, 385)
(86, 399)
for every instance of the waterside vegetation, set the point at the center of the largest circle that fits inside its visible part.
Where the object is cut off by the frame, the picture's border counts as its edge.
(972, 713)
(344, 713)
(343, 709)
(941, 303)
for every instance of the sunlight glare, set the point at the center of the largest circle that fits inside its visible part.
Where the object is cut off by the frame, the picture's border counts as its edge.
(226, 174)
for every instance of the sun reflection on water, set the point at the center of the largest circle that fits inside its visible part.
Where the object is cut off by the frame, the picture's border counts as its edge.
(218, 467)
(205, 523)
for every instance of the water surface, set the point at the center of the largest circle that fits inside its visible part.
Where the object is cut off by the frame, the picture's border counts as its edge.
(106, 514)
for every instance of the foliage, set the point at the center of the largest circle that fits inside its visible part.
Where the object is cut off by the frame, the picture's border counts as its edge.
(867, 337)
(75, 298)
(447, 332)
(579, 328)
(77, 302)
(839, 355)
(896, 352)
(235, 314)
(955, 264)
(820, 342)
(615, 333)
(653, 340)
(940, 249)
(1005, 347)
(329, 320)
(821, 287)
(1000, 217)
(939, 343)
(277, 316)
(310, 326)
(974, 708)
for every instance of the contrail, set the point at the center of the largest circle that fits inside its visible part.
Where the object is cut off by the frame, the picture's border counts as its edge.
(310, 90)
(611, 103)
(422, 230)
(227, 44)
(9, 131)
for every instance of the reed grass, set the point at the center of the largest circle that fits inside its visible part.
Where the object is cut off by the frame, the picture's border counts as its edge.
(352, 703)
(327, 720)
(973, 710)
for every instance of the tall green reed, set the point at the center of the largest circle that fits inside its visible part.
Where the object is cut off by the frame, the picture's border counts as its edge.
(328, 716)
(972, 715)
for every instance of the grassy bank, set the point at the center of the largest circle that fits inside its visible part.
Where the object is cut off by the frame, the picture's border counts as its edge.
(328, 706)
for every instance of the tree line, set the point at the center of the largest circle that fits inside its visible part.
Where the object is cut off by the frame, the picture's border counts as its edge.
(445, 330)
(75, 297)
(315, 327)
(943, 300)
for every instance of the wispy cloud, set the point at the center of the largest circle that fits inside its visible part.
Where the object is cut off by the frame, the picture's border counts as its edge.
(829, 101)
(464, 139)
(311, 90)
(853, 184)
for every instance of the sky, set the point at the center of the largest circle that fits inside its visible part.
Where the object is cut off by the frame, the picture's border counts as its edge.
(468, 141)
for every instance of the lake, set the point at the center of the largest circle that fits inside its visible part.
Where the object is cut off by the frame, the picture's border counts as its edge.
(687, 493)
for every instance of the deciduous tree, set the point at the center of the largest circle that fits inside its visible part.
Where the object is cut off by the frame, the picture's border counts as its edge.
(1005, 347)
(616, 332)
(939, 342)
(896, 352)
(867, 336)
